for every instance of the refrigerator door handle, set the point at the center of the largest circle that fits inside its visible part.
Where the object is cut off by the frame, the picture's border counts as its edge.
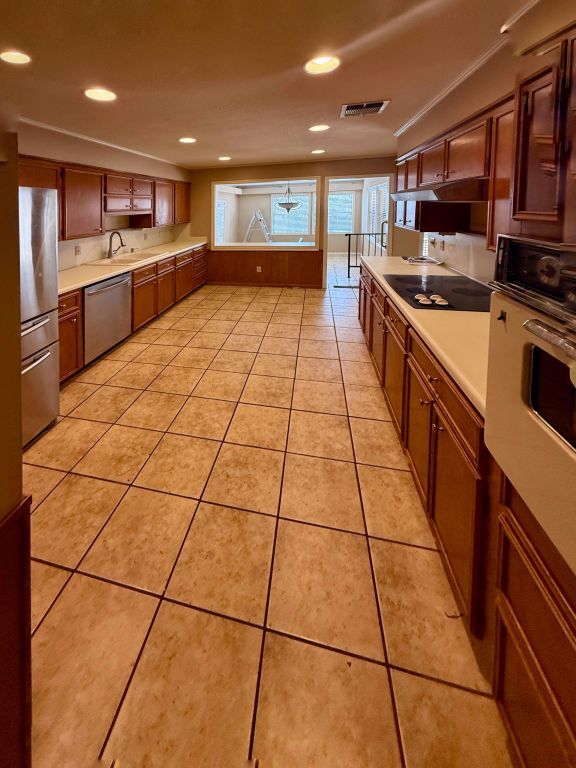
(37, 362)
(35, 327)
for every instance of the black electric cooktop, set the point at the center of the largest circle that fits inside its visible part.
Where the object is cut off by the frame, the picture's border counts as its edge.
(441, 292)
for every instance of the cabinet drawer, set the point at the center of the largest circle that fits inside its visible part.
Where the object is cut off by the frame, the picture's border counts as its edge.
(69, 301)
(182, 258)
(397, 322)
(145, 273)
(141, 203)
(117, 203)
(378, 295)
(118, 185)
(467, 422)
(166, 264)
(142, 187)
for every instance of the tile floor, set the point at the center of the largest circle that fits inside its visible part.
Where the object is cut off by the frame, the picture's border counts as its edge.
(230, 562)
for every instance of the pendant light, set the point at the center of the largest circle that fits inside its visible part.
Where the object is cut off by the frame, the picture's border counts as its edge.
(288, 203)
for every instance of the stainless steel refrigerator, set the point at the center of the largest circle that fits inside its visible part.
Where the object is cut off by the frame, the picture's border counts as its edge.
(39, 309)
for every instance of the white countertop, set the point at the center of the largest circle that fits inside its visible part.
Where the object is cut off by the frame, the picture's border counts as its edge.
(458, 339)
(87, 274)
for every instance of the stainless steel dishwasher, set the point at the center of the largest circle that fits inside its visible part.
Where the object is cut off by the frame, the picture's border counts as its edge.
(107, 315)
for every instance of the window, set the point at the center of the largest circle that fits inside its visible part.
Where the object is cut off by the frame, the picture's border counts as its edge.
(297, 222)
(220, 220)
(340, 213)
(378, 199)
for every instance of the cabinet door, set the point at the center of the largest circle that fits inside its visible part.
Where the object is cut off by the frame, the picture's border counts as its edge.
(118, 204)
(393, 379)
(166, 290)
(364, 303)
(500, 219)
(377, 337)
(71, 344)
(184, 279)
(163, 203)
(142, 204)
(432, 164)
(410, 210)
(142, 187)
(181, 202)
(412, 172)
(143, 302)
(417, 431)
(401, 176)
(467, 154)
(82, 203)
(400, 213)
(118, 185)
(456, 512)
(537, 172)
(570, 197)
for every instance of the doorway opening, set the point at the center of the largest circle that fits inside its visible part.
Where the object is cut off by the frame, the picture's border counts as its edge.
(356, 225)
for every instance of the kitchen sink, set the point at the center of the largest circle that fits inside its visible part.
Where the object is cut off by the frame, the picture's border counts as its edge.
(129, 259)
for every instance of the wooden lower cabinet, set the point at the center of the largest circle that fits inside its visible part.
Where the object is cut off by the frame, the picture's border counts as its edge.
(455, 511)
(418, 429)
(166, 290)
(377, 337)
(184, 279)
(70, 333)
(143, 297)
(393, 376)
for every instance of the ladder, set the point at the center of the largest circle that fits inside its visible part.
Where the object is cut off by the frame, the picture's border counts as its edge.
(258, 222)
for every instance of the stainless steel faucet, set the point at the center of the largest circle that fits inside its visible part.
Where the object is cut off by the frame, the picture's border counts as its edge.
(113, 251)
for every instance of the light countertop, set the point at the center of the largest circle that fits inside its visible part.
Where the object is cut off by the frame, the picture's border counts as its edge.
(87, 274)
(458, 339)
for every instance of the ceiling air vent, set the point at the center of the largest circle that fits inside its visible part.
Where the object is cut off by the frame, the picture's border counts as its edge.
(363, 108)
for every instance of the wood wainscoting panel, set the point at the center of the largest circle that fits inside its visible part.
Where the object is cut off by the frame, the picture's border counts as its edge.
(296, 268)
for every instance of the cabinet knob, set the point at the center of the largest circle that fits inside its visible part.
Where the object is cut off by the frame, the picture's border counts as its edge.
(424, 402)
(74, 319)
(438, 428)
(431, 378)
(380, 323)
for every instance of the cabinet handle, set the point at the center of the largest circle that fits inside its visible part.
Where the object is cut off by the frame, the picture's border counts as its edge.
(74, 319)
(380, 322)
(424, 402)
(437, 428)
(431, 378)
(447, 174)
(439, 175)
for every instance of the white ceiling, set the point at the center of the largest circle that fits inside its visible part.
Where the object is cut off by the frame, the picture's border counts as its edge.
(229, 72)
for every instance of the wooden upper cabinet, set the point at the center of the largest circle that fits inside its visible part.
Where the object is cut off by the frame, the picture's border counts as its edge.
(82, 194)
(570, 197)
(467, 154)
(181, 202)
(401, 176)
(118, 185)
(142, 187)
(537, 193)
(500, 221)
(163, 203)
(41, 176)
(432, 163)
(412, 172)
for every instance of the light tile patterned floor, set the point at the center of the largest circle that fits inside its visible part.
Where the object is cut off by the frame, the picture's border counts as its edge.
(230, 559)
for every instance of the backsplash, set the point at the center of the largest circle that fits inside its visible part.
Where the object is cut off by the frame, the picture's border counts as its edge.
(466, 254)
(92, 248)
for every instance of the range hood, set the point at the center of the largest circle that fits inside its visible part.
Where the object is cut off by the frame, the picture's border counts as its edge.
(465, 191)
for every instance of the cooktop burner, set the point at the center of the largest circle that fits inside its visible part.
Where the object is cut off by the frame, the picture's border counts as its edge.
(441, 292)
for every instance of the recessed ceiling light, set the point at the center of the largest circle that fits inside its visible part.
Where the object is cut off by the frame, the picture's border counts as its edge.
(224, 157)
(317, 151)
(319, 128)
(322, 64)
(15, 57)
(100, 94)
(187, 140)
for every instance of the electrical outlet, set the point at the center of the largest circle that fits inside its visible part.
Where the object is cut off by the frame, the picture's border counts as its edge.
(77, 250)
(258, 269)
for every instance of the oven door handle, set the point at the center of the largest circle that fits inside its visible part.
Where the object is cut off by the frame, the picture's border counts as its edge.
(551, 335)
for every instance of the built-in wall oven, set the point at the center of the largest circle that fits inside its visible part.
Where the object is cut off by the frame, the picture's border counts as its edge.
(531, 396)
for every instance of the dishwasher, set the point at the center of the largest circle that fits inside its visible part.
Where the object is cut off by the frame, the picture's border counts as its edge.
(107, 315)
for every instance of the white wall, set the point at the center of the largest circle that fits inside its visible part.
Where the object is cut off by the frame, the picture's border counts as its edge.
(466, 253)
